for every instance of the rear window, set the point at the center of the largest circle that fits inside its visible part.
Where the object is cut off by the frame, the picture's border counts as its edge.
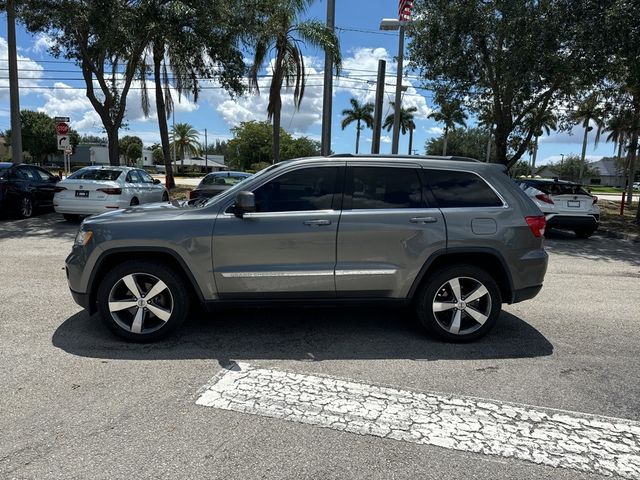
(95, 174)
(461, 189)
(557, 188)
(222, 179)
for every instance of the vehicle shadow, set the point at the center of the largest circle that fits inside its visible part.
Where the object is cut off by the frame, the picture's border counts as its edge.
(44, 225)
(597, 248)
(301, 334)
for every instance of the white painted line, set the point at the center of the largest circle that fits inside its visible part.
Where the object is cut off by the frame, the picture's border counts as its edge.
(555, 438)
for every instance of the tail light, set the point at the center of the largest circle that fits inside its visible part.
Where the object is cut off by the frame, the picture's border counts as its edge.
(111, 191)
(595, 200)
(193, 194)
(537, 225)
(59, 189)
(543, 197)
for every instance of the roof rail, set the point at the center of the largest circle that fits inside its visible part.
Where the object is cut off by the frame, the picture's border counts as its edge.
(409, 157)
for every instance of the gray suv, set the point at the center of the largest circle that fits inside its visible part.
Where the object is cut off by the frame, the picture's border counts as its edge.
(452, 237)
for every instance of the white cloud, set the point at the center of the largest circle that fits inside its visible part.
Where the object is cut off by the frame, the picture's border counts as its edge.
(385, 139)
(558, 158)
(42, 43)
(29, 72)
(436, 131)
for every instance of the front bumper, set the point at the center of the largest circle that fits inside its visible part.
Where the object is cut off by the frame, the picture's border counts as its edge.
(81, 299)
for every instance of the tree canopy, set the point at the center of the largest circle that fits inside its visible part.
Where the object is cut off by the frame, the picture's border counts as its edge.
(471, 142)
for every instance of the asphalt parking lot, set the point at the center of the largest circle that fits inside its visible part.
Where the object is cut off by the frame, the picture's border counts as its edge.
(77, 402)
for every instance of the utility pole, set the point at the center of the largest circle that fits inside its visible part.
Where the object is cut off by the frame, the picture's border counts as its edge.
(206, 163)
(377, 116)
(327, 98)
(396, 116)
(14, 94)
(173, 154)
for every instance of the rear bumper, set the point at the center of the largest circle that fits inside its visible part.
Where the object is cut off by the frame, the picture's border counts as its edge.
(573, 221)
(73, 208)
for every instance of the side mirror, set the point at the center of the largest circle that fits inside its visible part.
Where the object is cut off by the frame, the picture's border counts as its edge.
(245, 203)
(156, 181)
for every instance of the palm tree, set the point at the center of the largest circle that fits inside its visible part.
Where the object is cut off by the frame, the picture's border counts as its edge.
(284, 34)
(589, 111)
(540, 124)
(406, 122)
(450, 114)
(486, 120)
(358, 113)
(618, 128)
(184, 140)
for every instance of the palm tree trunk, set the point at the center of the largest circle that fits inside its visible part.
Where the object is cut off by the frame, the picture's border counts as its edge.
(633, 152)
(535, 154)
(357, 136)
(584, 151)
(161, 109)
(410, 140)
(444, 143)
(276, 129)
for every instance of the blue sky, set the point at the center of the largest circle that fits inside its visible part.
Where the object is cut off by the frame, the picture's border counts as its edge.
(55, 87)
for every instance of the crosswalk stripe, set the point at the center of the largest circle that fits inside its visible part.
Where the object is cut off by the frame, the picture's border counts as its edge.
(556, 438)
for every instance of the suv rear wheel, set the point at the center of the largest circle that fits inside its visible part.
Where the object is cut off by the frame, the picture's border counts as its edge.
(142, 301)
(459, 303)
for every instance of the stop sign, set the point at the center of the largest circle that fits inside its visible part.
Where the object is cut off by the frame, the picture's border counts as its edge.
(62, 128)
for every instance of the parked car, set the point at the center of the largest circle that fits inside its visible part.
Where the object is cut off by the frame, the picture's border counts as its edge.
(636, 186)
(93, 190)
(25, 188)
(215, 183)
(566, 205)
(454, 239)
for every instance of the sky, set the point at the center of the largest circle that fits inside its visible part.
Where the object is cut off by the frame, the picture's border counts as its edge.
(55, 86)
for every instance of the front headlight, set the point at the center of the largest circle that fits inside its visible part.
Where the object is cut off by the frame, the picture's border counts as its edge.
(83, 237)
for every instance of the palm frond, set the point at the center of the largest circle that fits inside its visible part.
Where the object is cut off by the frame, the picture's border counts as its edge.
(316, 34)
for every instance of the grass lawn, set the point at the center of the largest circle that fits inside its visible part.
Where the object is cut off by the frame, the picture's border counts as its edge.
(611, 220)
(597, 189)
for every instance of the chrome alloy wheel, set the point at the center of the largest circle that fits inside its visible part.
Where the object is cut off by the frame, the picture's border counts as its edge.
(462, 305)
(140, 303)
(26, 207)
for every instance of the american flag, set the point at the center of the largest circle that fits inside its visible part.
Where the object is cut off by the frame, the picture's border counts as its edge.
(404, 10)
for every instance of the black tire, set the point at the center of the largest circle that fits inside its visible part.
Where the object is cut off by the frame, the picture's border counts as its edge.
(584, 233)
(71, 218)
(112, 287)
(165, 196)
(25, 207)
(134, 202)
(441, 323)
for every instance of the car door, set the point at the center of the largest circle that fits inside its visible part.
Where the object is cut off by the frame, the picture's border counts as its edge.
(288, 245)
(27, 180)
(153, 192)
(45, 186)
(133, 184)
(388, 229)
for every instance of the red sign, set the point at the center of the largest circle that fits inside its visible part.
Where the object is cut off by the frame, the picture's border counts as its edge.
(404, 10)
(62, 128)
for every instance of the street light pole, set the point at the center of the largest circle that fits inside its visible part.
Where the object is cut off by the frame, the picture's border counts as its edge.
(14, 94)
(327, 98)
(398, 107)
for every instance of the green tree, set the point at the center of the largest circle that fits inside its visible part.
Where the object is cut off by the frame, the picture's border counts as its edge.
(92, 139)
(106, 40)
(299, 147)
(205, 46)
(520, 169)
(251, 143)
(358, 113)
(589, 110)
(39, 136)
(570, 169)
(157, 154)
(134, 153)
(123, 147)
(470, 142)
(450, 114)
(284, 34)
(519, 57)
(184, 140)
(406, 122)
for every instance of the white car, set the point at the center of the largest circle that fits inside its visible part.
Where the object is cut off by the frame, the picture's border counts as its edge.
(566, 205)
(93, 190)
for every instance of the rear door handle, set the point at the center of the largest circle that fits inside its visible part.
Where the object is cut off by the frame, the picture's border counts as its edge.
(423, 220)
(317, 223)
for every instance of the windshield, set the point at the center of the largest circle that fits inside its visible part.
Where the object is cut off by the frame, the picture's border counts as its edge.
(96, 174)
(239, 186)
(223, 179)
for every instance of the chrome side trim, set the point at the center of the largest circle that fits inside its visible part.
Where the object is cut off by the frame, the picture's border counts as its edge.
(381, 271)
(308, 273)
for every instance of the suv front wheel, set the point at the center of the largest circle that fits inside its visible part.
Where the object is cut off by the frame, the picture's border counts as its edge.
(459, 303)
(142, 301)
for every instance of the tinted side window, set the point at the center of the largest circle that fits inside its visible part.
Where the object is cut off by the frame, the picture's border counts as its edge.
(461, 189)
(42, 174)
(306, 189)
(386, 187)
(146, 178)
(25, 173)
(133, 177)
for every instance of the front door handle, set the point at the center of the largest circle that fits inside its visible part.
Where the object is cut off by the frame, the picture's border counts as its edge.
(317, 223)
(423, 220)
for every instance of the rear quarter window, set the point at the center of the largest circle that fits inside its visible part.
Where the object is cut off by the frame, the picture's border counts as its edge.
(453, 189)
